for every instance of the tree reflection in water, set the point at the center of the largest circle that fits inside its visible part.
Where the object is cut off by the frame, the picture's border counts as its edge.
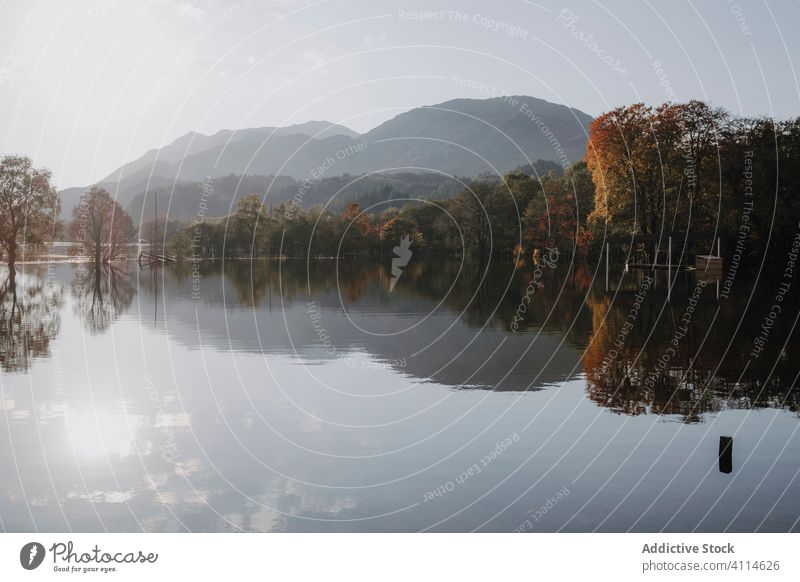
(705, 371)
(30, 304)
(661, 365)
(102, 293)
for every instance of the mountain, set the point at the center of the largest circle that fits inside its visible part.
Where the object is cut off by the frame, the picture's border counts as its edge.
(193, 143)
(468, 137)
(462, 137)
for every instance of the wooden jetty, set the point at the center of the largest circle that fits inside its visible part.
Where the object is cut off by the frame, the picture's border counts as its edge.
(659, 267)
(647, 261)
(150, 258)
(707, 266)
(708, 263)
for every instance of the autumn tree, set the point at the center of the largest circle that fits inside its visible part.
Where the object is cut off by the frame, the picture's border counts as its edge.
(29, 205)
(622, 156)
(656, 170)
(356, 229)
(557, 214)
(395, 229)
(551, 218)
(100, 226)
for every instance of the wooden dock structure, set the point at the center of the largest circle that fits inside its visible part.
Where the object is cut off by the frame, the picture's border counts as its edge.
(150, 258)
(662, 244)
(708, 266)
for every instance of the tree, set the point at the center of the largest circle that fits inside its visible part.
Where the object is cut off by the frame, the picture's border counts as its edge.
(579, 182)
(393, 231)
(180, 243)
(357, 230)
(100, 226)
(623, 158)
(471, 209)
(248, 231)
(701, 128)
(29, 205)
(153, 231)
(551, 218)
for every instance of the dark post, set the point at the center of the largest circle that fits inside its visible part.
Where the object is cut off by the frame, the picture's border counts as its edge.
(725, 454)
(155, 221)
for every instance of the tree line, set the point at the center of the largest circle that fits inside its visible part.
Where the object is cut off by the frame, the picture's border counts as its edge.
(497, 217)
(694, 168)
(647, 170)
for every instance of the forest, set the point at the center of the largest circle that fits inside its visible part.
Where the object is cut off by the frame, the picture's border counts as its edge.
(675, 168)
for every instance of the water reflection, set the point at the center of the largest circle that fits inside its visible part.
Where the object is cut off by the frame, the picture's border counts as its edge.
(685, 357)
(178, 399)
(102, 293)
(30, 305)
(635, 345)
(638, 351)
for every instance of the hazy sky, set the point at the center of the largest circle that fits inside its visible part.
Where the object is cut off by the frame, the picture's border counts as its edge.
(86, 85)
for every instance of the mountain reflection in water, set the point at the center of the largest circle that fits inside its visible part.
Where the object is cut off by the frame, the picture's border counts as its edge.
(294, 395)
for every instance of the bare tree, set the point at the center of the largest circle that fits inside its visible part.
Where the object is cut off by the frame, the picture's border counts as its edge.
(100, 226)
(29, 205)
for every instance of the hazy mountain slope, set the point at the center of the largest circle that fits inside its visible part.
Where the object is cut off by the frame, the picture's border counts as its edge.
(181, 200)
(193, 143)
(462, 137)
(453, 136)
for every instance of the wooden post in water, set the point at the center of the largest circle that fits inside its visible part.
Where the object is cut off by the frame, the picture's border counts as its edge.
(669, 268)
(719, 254)
(607, 266)
(725, 454)
(155, 221)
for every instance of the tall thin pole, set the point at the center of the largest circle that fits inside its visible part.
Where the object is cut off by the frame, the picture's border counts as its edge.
(669, 268)
(155, 218)
(607, 264)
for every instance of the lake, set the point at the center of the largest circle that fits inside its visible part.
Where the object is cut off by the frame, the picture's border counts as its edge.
(321, 396)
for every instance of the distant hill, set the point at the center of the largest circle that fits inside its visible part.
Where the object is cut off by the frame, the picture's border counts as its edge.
(462, 137)
(468, 137)
(374, 192)
(194, 143)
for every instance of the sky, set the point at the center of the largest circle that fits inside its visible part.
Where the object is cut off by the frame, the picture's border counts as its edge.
(87, 85)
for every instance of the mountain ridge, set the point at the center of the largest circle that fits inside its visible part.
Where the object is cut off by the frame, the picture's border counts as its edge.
(460, 137)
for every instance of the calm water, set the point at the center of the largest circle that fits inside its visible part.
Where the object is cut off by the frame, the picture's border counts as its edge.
(285, 396)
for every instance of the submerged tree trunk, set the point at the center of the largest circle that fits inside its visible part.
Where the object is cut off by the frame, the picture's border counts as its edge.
(12, 263)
